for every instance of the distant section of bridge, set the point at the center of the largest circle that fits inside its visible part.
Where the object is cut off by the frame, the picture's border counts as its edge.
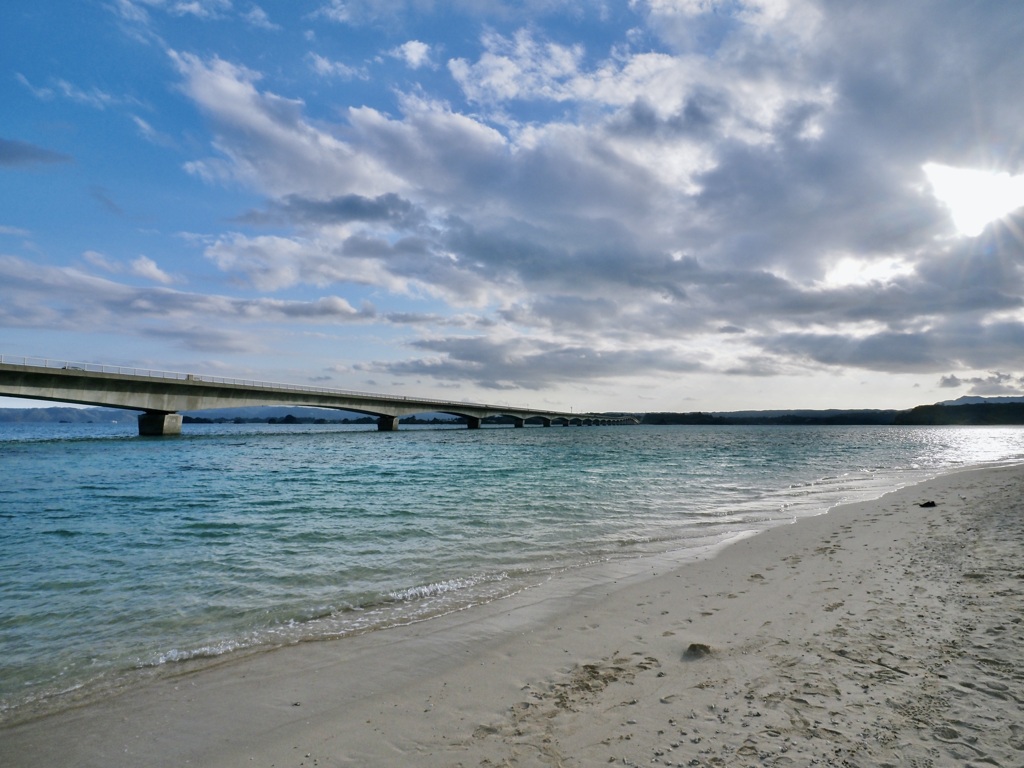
(162, 396)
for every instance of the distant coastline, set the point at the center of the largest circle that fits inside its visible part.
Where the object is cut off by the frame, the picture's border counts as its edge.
(963, 412)
(998, 411)
(973, 414)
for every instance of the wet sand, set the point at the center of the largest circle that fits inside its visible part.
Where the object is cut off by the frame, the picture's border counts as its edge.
(881, 634)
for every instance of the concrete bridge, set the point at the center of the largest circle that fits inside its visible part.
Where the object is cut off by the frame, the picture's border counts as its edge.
(161, 396)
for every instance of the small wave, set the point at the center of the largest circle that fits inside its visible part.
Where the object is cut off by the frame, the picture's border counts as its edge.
(210, 530)
(634, 541)
(442, 587)
(212, 651)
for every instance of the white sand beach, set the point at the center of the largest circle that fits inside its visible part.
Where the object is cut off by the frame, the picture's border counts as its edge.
(881, 634)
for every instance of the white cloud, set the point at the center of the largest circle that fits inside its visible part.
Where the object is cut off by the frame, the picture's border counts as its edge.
(257, 17)
(749, 103)
(138, 12)
(91, 97)
(265, 141)
(151, 134)
(335, 10)
(518, 68)
(853, 270)
(102, 261)
(131, 11)
(43, 94)
(70, 299)
(145, 267)
(327, 68)
(434, 149)
(995, 383)
(271, 263)
(414, 53)
(729, 28)
(203, 9)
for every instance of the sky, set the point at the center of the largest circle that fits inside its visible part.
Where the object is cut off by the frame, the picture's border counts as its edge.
(642, 205)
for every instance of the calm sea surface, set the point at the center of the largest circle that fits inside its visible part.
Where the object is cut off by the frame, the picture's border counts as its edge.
(125, 557)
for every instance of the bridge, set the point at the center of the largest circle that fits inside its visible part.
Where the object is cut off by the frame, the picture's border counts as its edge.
(163, 395)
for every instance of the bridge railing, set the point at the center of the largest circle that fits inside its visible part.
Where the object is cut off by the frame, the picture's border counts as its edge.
(39, 362)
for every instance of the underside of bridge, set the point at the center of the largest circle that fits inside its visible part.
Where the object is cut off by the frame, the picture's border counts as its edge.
(163, 423)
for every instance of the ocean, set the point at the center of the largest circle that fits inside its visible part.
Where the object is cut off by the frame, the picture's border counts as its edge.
(125, 558)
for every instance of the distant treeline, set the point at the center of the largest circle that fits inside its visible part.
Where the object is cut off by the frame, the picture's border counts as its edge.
(975, 414)
(710, 419)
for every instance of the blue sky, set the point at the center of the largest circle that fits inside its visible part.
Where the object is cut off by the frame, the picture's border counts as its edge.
(646, 205)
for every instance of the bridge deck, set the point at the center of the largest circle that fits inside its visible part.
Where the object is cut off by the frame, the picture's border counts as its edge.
(162, 395)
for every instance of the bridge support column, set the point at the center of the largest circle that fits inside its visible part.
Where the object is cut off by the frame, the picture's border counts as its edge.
(387, 424)
(473, 422)
(158, 424)
(520, 423)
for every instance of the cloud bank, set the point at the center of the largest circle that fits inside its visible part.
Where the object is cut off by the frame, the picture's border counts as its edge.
(730, 195)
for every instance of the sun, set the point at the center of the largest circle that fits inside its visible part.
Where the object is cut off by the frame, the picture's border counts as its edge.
(975, 198)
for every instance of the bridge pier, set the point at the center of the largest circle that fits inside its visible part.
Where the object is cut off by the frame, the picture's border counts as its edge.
(520, 423)
(473, 422)
(387, 424)
(158, 424)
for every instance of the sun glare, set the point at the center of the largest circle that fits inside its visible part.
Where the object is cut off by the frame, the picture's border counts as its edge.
(975, 198)
(850, 270)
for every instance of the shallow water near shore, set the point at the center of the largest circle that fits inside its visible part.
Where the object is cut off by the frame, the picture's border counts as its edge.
(125, 557)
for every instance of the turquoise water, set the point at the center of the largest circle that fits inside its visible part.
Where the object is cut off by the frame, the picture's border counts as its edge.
(125, 557)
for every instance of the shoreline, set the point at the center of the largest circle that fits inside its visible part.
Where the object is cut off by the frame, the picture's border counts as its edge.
(858, 635)
(111, 674)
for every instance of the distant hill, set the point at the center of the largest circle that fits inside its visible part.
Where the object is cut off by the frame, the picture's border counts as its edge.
(831, 416)
(971, 414)
(969, 400)
(964, 411)
(826, 413)
(67, 415)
